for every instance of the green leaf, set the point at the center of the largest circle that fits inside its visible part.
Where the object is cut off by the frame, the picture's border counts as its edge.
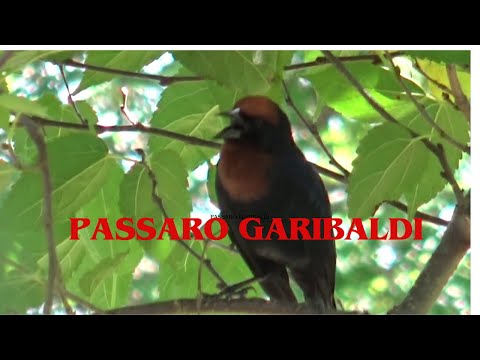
(19, 290)
(132, 61)
(431, 182)
(22, 58)
(172, 184)
(136, 202)
(389, 163)
(7, 175)
(105, 277)
(70, 255)
(458, 57)
(345, 99)
(25, 148)
(4, 118)
(22, 105)
(105, 274)
(79, 164)
(58, 111)
(189, 109)
(250, 71)
(211, 177)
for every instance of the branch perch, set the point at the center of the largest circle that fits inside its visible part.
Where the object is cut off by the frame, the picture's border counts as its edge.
(453, 246)
(217, 306)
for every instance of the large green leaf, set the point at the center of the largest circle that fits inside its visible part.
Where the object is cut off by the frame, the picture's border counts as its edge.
(189, 109)
(334, 90)
(389, 163)
(132, 61)
(22, 105)
(105, 274)
(79, 164)
(250, 71)
(4, 118)
(19, 290)
(7, 175)
(172, 184)
(136, 197)
(431, 182)
(26, 150)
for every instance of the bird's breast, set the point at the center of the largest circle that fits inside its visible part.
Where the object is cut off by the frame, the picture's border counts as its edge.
(243, 172)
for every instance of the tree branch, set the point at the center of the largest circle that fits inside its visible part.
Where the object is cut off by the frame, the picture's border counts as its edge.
(162, 80)
(53, 265)
(313, 130)
(375, 59)
(453, 246)
(209, 144)
(422, 110)
(217, 306)
(460, 99)
(70, 98)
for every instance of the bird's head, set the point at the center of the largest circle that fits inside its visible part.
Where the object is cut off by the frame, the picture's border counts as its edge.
(259, 122)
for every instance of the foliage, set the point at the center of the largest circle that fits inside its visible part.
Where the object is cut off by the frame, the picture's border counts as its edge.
(103, 176)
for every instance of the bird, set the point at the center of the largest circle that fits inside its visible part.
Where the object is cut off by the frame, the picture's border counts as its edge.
(261, 172)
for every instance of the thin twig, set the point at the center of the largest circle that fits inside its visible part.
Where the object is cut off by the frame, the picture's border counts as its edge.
(123, 106)
(66, 305)
(54, 273)
(158, 201)
(313, 130)
(418, 214)
(209, 144)
(162, 80)
(356, 84)
(460, 99)
(199, 275)
(436, 150)
(449, 176)
(435, 81)
(375, 59)
(130, 128)
(422, 110)
(70, 98)
(82, 302)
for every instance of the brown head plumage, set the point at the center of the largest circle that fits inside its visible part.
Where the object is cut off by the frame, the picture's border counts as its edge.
(258, 122)
(259, 107)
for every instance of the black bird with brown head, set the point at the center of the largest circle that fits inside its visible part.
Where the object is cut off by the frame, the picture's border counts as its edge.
(262, 171)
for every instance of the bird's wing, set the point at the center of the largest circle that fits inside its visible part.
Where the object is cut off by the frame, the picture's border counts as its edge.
(275, 281)
(307, 198)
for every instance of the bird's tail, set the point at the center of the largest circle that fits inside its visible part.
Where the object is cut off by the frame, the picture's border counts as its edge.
(318, 290)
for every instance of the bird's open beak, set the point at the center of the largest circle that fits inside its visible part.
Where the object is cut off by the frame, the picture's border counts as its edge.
(236, 128)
